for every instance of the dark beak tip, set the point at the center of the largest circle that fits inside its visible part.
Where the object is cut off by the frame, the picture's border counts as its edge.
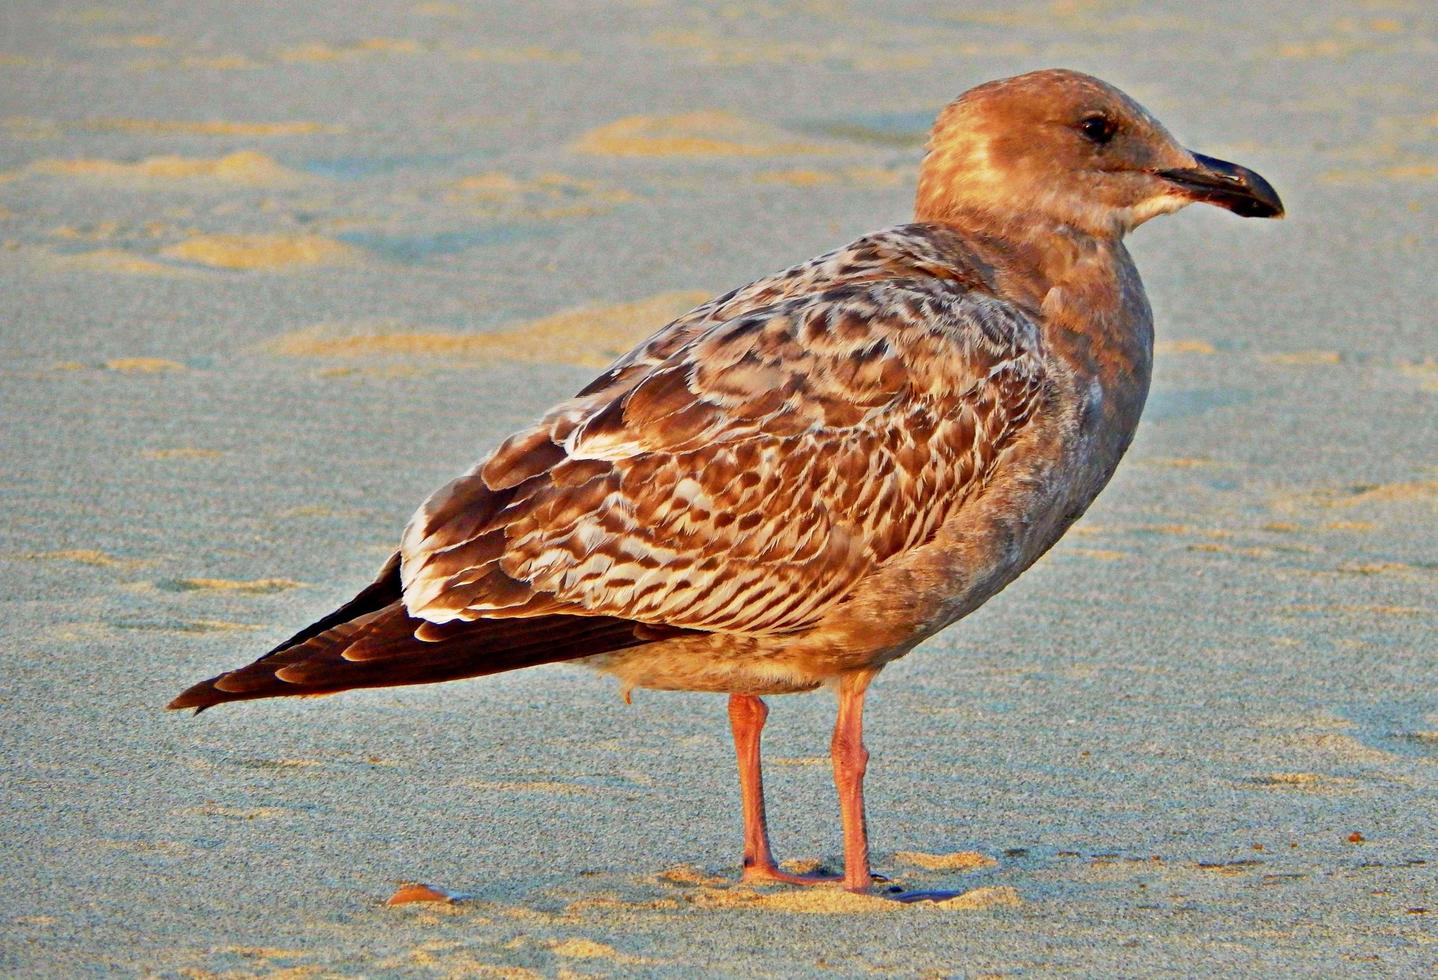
(1265, 202)
(1263, 209)
(1228, 185)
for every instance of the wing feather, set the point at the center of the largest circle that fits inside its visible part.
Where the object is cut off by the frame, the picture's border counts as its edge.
(744, 468)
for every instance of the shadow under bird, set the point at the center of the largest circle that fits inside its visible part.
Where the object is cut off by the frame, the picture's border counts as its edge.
(794, 484)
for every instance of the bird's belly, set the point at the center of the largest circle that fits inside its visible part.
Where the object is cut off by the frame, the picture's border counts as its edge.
(724, 663)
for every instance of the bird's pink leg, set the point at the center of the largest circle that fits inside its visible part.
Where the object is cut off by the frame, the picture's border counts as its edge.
(746, 716)
(851, 759)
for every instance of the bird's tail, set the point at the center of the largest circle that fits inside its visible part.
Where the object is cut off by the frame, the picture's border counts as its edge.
(380, 649)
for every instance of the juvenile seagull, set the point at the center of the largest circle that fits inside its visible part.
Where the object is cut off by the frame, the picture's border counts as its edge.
(796, 483)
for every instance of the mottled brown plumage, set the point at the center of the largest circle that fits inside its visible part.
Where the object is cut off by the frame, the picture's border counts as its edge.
(797, 482)
(748, 479)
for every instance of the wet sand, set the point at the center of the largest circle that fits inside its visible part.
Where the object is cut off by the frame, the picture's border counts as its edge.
(270, 275)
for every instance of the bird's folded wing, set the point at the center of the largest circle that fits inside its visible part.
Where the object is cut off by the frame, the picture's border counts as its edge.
(738, 474)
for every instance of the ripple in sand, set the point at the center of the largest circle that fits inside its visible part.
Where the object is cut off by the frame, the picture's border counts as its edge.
(259, 586)
(688, 874)
(704, 134)
(957, 861)
(525, 54)
(114, 261)
(736, 52)
(240, 167)
(833, 901)
(261, 252)
(1311, 782)
(1097, 554)
(210, 127)
(182, 452)
(587, 336)
(1229, 868)
(1303, 358)
(546, 786)
(133, 41)
(1359, 495)
(369, 47)
(847, 176)
(143, 365)
(1167, 347)
(546, 197)
(83, 556)
(189, 626)
(233, 812)
(428, 245)
(579, 948)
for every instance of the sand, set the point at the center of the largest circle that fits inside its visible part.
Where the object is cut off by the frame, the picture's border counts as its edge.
(588, 336)
(250, 252)
(712, 133)
(242, 166)
(270, 274)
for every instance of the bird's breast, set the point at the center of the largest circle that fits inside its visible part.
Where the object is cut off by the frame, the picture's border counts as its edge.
(1097, 354)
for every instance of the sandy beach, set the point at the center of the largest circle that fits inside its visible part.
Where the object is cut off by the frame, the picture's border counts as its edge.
(269, 274)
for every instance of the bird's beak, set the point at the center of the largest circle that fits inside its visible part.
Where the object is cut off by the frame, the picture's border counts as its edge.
(1228, 185)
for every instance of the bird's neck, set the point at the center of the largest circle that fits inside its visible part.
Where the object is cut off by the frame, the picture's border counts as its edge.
(1030, 257)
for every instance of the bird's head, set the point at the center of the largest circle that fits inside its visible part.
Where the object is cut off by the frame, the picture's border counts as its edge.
(1064, 148)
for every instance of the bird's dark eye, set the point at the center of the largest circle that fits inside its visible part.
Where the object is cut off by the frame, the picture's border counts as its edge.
(1097, 129)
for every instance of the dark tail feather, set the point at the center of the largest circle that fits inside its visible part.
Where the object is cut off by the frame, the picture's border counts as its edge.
(314, 662)
(384, 591)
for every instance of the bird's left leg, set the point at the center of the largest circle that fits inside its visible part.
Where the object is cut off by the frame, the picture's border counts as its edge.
(747, 714)
(851, 760)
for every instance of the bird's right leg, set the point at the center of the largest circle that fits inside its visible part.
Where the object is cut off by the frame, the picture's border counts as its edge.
(746, 717)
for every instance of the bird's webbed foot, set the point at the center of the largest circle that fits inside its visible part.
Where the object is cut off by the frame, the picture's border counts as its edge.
(768, 871)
